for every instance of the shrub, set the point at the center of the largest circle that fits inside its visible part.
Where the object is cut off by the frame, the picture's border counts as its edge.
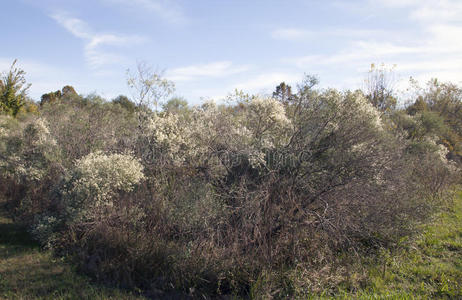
(96, 179)
(262, 197)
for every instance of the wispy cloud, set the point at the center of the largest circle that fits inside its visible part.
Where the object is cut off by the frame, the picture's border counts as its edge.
(430, 46)
(95, 53)
(357, 53)
(299, 34)
(214, 69)
(266, 82)
(260, 83)
(427, 10)
(168, 10)
(291, 34)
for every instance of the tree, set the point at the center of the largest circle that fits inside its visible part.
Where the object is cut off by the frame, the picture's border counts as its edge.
(149, 87)
(125, 103)
(283, 92)
(175, 105)
(13, 90)
(67, 92)
(50, 97)
(443, 101)
(379, 87)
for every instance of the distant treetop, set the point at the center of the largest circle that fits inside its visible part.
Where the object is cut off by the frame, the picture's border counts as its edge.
(66, 92)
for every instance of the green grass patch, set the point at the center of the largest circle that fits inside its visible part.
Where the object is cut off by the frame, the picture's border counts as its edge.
(428, 267)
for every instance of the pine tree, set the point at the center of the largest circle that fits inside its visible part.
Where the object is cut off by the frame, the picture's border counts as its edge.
(13, 90)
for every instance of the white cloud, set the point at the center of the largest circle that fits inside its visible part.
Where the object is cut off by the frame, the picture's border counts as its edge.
(298, 34)
(265, 83)
(396, 3)
(427, 10)
(430, 46)
(291, 34)
(359, 52)
(215, 69)
(95, 56)
(166, 9)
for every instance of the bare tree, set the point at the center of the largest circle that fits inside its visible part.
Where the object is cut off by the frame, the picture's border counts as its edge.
(148, 87)
(379, 86)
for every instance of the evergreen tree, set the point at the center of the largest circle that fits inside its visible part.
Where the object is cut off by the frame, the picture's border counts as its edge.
(13, 90)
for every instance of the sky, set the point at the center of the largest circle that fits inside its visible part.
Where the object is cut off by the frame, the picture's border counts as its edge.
(210, 48)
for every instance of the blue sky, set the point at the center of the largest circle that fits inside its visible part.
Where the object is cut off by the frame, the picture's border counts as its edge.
(209, 48)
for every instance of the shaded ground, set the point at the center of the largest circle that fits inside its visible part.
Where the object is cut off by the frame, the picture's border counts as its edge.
(26, 272)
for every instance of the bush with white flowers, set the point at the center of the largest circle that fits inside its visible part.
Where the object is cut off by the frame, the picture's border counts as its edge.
(26, 150)
(96, 179)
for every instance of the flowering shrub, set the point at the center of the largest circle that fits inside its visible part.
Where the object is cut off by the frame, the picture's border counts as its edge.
(96, 179)
(5, 123)
(27, 151)
(166, 138)
(217, 196)
(364, 108)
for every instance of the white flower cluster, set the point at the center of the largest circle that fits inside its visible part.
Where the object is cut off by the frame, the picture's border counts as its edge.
(365, 108)
(167, 134)
(442, 153)
(267, 120)
(5, 121)
(198, 137)
(351, 106)
(269, 108)
(26, 149)
(38, 133)
(102, 175)
(44, 230)
(246, 130)
(97, 178)
(3, 133)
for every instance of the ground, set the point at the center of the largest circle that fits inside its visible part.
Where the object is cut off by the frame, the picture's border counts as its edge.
(27, 272)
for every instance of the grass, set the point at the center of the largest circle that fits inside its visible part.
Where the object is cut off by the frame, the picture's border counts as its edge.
(27, 272)
(429, 267)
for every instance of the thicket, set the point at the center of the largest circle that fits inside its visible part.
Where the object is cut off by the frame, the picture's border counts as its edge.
(265, 196)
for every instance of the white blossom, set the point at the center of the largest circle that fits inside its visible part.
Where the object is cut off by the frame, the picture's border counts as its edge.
(98, 177)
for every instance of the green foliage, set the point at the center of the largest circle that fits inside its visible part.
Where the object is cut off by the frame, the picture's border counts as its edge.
(175, 105)
(67, 92)
(283, 92)
(87, 124)
(13, 90)
(437, 111)
(124, 102)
